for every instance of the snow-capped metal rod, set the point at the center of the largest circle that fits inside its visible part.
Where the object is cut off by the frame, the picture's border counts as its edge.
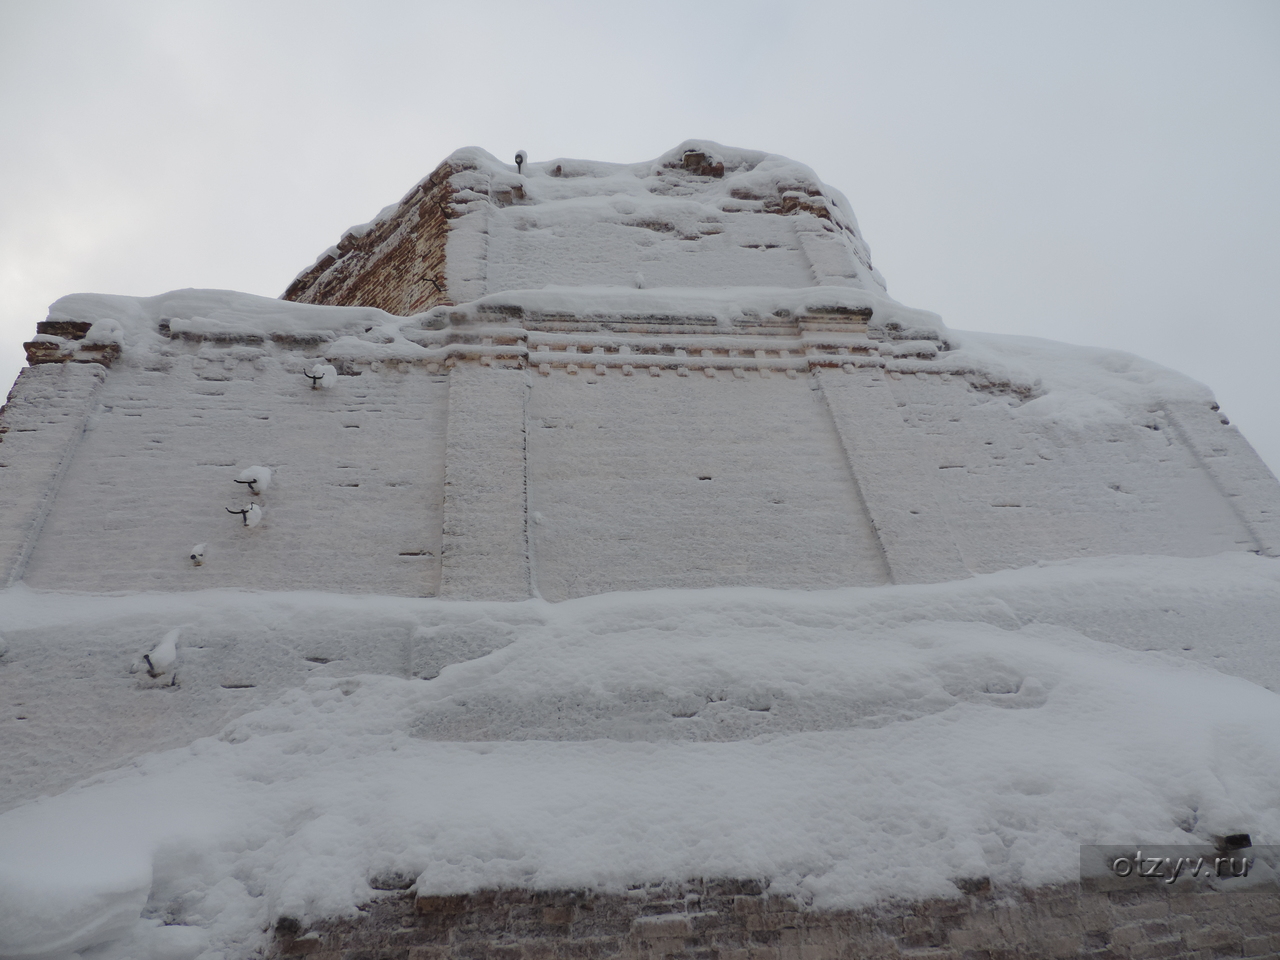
(164, 656)
(257, 479)
(322, 375)
(252, 514)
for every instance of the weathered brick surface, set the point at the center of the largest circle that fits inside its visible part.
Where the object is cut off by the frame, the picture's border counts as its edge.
(728, 920)
(398, 265)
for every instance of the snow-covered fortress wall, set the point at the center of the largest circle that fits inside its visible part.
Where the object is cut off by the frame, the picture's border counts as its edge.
(708, 387)
(576, 378)
(691, 218)
(491, 461)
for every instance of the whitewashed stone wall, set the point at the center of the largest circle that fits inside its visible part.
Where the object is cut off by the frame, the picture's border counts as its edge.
(486, 553)
(895, 475)
(482, 482)
(1017, 490)
(40, 430)
(643, 482)
(524, 254)
(355, 504)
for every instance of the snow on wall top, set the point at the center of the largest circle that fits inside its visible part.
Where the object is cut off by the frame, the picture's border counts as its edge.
(130, 321)
(1079, 384)
(696, 174)
(142, 325)
(700, 215)
(688, 218)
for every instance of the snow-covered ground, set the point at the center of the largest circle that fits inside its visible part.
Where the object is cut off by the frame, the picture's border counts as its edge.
(843, 745)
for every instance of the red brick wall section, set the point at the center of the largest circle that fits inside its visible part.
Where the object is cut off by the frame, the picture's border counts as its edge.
(398, 266)
(733, 920)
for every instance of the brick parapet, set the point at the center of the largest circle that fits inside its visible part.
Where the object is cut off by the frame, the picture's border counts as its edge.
(64, 341)
(736, 920)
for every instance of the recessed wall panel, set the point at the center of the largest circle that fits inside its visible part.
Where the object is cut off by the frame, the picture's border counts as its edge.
(647, 482)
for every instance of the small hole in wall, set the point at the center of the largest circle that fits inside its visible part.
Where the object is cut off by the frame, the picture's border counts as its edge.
(704, 478)
(288, 927)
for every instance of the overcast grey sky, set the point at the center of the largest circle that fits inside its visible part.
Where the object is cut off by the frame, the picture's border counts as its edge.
(1101, 173)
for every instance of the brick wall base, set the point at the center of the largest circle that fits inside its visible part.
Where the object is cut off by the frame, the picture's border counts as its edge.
(735, 920)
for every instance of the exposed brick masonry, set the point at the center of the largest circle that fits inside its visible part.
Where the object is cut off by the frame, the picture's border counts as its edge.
(733, 920)
(408, 250)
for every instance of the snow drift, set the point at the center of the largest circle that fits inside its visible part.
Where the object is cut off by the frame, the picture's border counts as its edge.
(842, 745)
